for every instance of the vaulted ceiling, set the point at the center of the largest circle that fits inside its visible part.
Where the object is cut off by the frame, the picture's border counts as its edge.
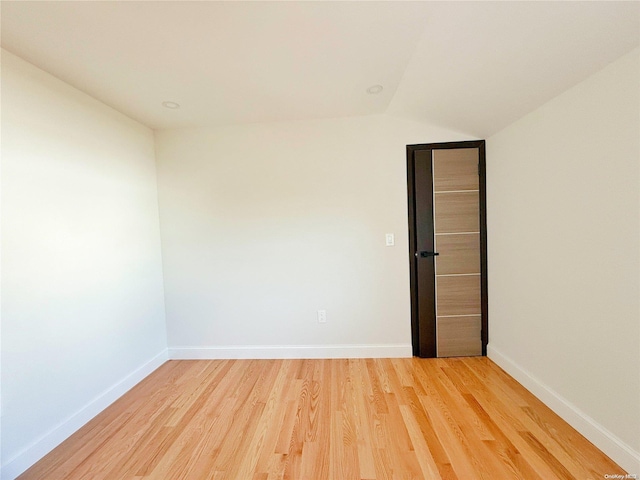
(473, 67)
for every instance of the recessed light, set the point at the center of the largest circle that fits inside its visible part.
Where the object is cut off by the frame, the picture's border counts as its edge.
(171, 105)
(374, 89)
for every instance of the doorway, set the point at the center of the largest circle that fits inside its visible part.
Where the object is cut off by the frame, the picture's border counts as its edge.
(448, 248)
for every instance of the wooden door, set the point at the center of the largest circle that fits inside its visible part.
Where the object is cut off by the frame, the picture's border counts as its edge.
(447, 243)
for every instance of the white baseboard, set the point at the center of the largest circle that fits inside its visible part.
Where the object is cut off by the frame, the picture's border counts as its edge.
(620, 452)
(290, 351)
(47, 442)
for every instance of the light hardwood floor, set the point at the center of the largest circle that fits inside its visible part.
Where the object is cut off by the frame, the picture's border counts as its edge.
(457, 418)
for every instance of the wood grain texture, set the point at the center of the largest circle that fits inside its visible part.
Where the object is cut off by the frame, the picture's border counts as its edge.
(457, 212)
(458, 295)
(459, 336)
(458, 254)
(343, 419)
(455, 169)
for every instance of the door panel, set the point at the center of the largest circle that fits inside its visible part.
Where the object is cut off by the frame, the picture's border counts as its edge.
(455, 169)
(457, 212)
(458, 254)
(447, 227)
(459, 336)
(458, 295)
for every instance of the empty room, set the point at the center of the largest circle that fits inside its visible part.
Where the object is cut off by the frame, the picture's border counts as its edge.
(313, 240)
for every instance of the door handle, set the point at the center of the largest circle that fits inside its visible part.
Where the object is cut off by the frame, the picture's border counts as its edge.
(426, 254)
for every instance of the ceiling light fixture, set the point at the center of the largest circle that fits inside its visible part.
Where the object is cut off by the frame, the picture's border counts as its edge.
(374, 89)
(171, 105)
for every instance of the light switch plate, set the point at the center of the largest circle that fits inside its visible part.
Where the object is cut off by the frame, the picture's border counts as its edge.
(389, 240)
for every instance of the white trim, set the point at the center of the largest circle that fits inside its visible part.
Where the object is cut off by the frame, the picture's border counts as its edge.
(47, 442)
(620, 452)
(290, 351)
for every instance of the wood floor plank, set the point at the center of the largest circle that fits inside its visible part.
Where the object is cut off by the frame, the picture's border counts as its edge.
(566, 437)
(267, 461)
(113, 425)
(506, 423)
(163, 447)
(435, 445)
(449, 436)
(343, 454)
(480, 442)
(365, 440)
(342, 419)
(508, 417)
(427, 463)
(539, 440)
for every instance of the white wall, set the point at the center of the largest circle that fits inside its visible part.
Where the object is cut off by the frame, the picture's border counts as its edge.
(564, 273)
(82, 306)
(264, 224)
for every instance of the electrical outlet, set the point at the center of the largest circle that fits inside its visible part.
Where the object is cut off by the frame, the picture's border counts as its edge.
(322, 316)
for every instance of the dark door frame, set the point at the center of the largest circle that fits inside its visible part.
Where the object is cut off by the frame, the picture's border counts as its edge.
(426, 347)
